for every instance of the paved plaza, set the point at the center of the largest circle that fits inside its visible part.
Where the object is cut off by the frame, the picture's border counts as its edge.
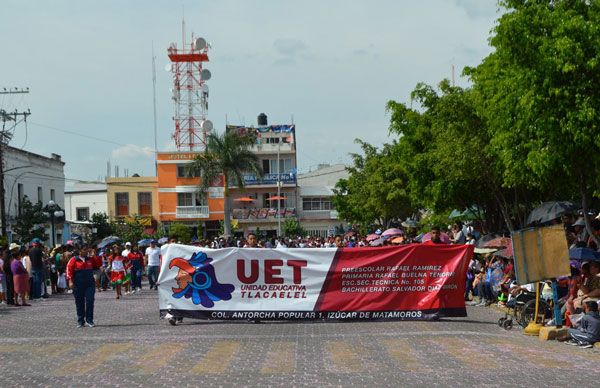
(131, 346)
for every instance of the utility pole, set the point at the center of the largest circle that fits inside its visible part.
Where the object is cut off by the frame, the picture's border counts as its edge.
(5, 137)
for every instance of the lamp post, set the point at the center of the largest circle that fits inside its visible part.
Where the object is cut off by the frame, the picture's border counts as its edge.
(278, 192)
(53, 212)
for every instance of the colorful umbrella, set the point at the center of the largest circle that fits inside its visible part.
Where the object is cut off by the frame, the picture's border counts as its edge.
(372, 237)
(397, 240)
(244, 199)
(584, 254)
(163, 240)
(393, 232)
(145, 242)
(443, 236)
(377, 242)
(498, 242)
(106, 241)
(506, 252)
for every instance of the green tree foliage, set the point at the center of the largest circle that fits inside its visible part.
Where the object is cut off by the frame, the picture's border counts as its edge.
(376, 191)
(228, 156)
(103, 227)
(131, 230)
(181, 232)
(540, 93)
(292, 228)
(526, 131)
(30, 222)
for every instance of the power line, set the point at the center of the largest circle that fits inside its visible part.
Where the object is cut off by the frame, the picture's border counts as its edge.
(77, 133)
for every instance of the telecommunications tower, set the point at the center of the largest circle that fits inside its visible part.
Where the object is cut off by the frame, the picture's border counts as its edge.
(190, 94)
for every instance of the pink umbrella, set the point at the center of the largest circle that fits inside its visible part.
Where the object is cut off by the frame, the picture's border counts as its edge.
(393, 232)
(372, 237)
(443, 236)
(377, 242)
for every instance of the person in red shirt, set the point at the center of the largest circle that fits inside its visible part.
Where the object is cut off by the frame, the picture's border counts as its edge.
(80, 274)
(136, 258)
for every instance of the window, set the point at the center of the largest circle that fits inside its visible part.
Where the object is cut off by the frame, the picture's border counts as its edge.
(145, 204)
(83, 213)
(266, 166)
(185, 199)
(40, 194)
(273, 204)
(183, 173)
(316, 203)
(191, 199)
(270, 166)
(52, 194)
(122, 204)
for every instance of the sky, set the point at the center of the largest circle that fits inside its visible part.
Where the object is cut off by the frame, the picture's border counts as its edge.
(328, 65)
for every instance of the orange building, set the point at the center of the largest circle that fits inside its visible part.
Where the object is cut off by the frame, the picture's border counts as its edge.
(179, 197)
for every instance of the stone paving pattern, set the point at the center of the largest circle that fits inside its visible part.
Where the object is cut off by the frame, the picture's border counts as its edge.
(131, 346)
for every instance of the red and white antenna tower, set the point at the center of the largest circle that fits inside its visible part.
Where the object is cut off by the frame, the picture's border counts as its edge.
(190, 94)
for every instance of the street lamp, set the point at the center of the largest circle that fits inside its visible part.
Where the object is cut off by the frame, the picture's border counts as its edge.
(53, 212)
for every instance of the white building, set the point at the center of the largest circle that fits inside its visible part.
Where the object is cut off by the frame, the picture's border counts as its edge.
(37, 177)
(317, 215)
(84, 199)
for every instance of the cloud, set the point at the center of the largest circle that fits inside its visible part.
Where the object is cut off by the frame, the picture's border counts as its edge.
(132, 151)
(477, 8)
(289, 51)
(289, 47)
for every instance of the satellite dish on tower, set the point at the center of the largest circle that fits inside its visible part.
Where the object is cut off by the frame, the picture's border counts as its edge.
(200, 44)
(206, 125)
(205, 75)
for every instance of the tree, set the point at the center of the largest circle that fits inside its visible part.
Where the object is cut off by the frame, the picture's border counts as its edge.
(375, 192)
(30, 221)
(292, 228)
(540, 87)
(181, 232)
(131, 229)
(103, 227)
(228, 156)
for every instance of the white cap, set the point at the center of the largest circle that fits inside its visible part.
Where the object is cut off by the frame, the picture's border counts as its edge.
(127, 243)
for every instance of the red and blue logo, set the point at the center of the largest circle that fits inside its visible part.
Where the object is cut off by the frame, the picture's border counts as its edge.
(197, 280)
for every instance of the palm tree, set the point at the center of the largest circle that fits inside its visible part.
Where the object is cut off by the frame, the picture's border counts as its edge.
(227, 155)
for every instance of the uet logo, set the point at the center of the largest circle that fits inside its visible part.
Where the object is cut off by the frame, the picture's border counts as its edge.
(271, 270)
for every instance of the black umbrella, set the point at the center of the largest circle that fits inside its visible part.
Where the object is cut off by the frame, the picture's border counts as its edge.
(549, 211)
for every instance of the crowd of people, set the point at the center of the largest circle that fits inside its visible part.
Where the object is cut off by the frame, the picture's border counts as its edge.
(33, 272)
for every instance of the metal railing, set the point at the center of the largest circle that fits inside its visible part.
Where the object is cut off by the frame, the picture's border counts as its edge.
(192, 212)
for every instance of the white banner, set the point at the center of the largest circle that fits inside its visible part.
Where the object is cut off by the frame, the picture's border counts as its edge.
(233, 279)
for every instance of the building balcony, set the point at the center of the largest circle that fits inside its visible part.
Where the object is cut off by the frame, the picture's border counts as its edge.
(263, 214)
(319, 215)
(272, 148)
(192, 212)
(269, 179)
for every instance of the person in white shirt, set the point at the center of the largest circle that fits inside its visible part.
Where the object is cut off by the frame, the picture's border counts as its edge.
(127, 249)
(152, 256)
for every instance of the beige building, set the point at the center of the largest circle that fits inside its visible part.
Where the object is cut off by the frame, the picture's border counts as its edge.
(317, 214)
(133, 196)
